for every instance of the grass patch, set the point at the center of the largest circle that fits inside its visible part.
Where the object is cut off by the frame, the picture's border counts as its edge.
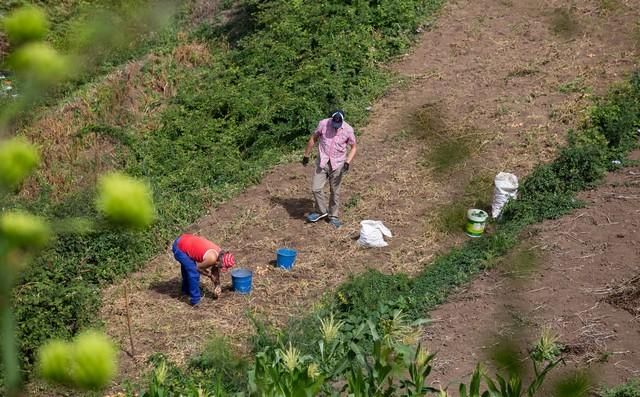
(445, 149)
(353, 202)
(575, 85)
(564, 22)
(218, 361)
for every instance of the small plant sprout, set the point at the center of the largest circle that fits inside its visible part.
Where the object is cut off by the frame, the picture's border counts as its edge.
(547, 348)
(423, 357)
(330, 328)
(397, 329)
(290, 357)
(313, 371)
(160, 373)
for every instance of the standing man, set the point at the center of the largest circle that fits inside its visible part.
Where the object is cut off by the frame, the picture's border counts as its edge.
(333, 136)
(197, 256)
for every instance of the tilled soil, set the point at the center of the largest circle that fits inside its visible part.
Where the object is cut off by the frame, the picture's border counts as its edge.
(501, 73)
(576, 276)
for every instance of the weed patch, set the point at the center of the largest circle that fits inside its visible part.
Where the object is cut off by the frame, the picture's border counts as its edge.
(629, 389)
(575, 85)
(522, 261)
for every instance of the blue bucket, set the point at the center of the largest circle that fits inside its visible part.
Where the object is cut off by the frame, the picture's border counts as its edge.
(241, 280)
(286, 257)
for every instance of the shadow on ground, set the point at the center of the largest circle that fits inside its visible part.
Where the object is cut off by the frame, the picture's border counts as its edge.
(295, 207)
(171, 287)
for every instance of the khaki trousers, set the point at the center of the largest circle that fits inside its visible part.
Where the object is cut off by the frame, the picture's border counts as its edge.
(319, 180)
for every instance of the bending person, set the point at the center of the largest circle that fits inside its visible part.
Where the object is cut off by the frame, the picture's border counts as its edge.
(199, 256)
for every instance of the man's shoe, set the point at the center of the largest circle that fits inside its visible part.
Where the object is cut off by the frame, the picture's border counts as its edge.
(315, 217)
(335, 222)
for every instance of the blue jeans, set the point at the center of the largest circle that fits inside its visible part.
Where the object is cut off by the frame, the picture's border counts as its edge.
(190, 275)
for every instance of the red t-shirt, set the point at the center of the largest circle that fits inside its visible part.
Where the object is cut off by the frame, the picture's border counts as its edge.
(195, 246)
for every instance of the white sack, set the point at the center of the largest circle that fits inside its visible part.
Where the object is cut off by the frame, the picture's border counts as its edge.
(372, 232)
(506, 188)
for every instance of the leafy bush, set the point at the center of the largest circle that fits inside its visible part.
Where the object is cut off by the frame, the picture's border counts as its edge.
(364, 293)
(616, 116)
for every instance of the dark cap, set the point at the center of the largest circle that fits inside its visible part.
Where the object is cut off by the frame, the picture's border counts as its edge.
(337, 118)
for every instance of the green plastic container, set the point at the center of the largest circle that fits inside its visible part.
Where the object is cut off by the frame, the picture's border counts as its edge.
(476, 222)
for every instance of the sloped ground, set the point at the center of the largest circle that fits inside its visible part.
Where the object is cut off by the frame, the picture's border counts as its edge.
(489, 72)
(579, 281)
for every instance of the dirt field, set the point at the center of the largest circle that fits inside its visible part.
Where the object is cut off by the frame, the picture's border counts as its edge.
(505, 78)
(576, 276)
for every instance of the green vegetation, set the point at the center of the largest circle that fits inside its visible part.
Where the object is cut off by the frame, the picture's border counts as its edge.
(90, 362)
(446, 149)
(629, 389)
(575, 85)
(235, 117)
(228, 122)
(374, 358)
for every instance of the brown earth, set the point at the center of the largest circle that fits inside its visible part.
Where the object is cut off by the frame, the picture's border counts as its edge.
(580, 282)
(507, 78)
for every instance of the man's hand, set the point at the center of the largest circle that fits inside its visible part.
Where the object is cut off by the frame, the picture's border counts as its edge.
(345, 168)
(217, 291)
(305, 160)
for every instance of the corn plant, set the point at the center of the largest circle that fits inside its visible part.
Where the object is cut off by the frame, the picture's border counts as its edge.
(419, 369)
(284, 373)
(544, 357)
(383, 372)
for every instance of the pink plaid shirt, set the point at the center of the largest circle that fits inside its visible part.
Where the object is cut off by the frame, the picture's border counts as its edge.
(333, 143)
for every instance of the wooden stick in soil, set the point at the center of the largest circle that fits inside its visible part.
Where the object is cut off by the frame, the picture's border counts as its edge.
(126, 302)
